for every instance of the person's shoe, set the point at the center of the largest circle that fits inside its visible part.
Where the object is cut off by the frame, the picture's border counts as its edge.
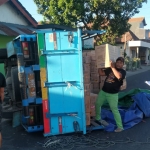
(119, 130)
(102, 122)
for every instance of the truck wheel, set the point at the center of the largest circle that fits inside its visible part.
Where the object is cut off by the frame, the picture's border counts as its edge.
(15, 85)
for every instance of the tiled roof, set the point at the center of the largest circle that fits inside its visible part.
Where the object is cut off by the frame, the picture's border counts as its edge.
(140, 19)
(128, 36)
(10, 29)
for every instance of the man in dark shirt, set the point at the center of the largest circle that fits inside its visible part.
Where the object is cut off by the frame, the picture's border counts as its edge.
(2, 86)
(115, 75)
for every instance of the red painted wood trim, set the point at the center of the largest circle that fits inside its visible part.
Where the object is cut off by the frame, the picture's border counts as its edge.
(46, 120)
(60, 124)
(3, 1)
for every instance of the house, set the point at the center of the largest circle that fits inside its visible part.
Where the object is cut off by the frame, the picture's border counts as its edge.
(136, 42)
(14, 20)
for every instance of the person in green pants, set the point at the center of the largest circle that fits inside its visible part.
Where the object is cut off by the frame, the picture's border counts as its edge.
(115, 75)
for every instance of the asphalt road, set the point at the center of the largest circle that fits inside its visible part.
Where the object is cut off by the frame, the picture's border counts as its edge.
(135, 138)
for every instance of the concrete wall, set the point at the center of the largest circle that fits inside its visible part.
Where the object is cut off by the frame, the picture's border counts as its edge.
(10, 15)
(3, 41)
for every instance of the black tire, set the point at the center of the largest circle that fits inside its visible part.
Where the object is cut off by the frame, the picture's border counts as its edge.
(15, 85)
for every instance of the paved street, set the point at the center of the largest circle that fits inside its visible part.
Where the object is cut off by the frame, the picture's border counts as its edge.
(18, 139)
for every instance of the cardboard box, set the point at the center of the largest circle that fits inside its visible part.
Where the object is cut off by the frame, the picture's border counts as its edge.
(92, 112)
(88, 53)
(92, 52)
(93, 57)
(93, 98)
(96, 85)
(105, 53)
(86, 78)
(86, 93)
(101, 86)
(95, 91)
(86, 68)
(91, 87)
(94, 77)
(88, 119)
(87, 87)
(124, 86)
(93, 63)
(94, 69)
(87, 104)
(84, 54)
(87, 59)
(102, 79)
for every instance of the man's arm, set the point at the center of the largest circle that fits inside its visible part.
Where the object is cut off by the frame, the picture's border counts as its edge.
(101, 72)
(117, 74)
(2, 94)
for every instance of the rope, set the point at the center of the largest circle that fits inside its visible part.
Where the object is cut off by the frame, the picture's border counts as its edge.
(79, 141)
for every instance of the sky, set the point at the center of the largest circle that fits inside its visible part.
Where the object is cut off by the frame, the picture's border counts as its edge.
(32, 8)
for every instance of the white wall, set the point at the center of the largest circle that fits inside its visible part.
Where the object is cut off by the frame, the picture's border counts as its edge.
(139, 44)
(10, 15)
(147, 54)
(127, 49)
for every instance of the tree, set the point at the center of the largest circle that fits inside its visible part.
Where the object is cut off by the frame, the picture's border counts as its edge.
(110, 15)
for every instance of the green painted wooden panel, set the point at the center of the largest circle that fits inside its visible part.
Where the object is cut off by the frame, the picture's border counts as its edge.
(41, 46)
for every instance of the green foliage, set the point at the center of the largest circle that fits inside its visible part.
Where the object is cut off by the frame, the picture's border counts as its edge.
(110, 15)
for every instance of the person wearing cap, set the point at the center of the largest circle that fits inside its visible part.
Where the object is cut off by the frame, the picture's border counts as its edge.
(114, 79)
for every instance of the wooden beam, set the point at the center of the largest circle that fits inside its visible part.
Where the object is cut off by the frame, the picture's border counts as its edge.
(3, 2)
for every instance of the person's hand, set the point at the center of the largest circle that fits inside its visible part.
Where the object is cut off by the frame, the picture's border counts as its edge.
(112, 64)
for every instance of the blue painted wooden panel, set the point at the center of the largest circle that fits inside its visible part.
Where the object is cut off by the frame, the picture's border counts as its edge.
(65, 81)
(52, 41)
(56, 100)
(54, 68)
(56, 105)
(65, 44)
(70, 67)
(73, 103)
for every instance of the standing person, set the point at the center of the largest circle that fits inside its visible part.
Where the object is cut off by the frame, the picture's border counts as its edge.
(115, 75)
(2, 86)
